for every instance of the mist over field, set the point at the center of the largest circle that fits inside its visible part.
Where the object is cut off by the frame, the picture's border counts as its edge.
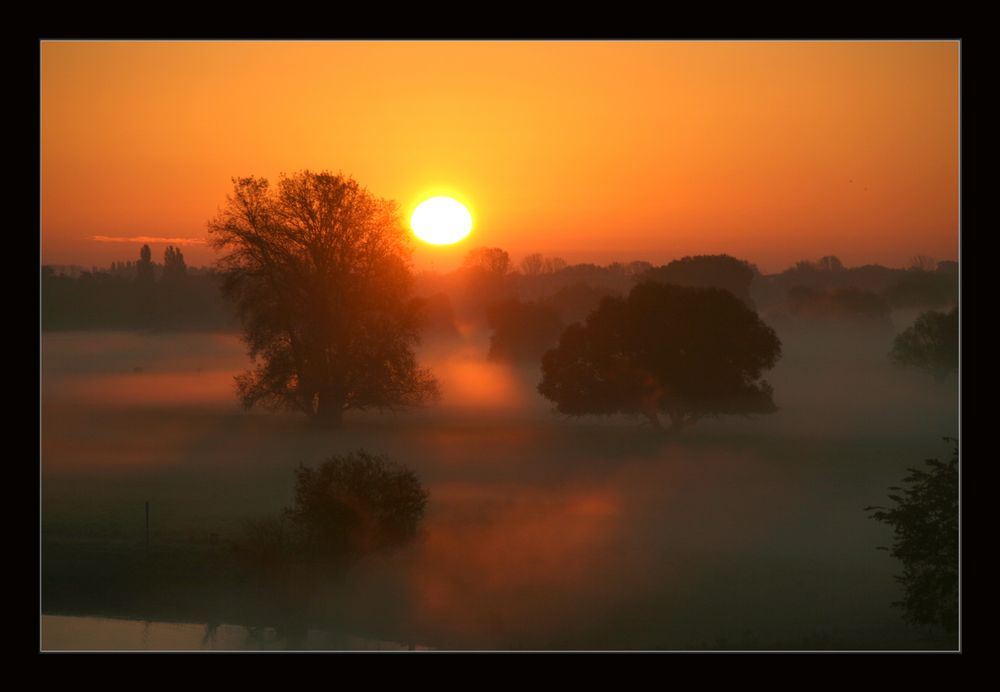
(542, 530)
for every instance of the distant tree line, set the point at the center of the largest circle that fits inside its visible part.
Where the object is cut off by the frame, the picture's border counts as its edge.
(923, 284)
(837, 307)
(526, 311)
(135, 295)
(521, 303)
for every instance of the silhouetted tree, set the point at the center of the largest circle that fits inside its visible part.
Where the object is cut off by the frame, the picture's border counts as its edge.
(689, 352)
(486, 276)
(707, 271)
(522, 331)
(827, 273)
(174, 267)
(830, 263)
(930, 345)
(554, 264)
(144, 268)
(319, 271)
(924, 520)
(356, 504)
(491, 260)
(533, 264)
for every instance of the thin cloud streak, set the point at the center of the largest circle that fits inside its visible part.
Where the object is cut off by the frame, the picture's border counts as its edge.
(148, 239)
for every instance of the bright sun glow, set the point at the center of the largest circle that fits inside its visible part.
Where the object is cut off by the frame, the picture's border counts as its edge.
(441, 221)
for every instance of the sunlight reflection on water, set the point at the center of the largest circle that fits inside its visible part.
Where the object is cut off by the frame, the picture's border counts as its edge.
(71, 633)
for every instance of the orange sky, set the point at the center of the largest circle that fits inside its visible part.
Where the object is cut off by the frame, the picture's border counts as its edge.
(595, 151)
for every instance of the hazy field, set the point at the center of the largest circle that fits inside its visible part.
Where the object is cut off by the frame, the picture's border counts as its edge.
(541, 531)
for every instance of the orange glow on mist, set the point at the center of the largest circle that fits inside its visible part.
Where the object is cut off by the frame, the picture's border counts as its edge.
(772, 151)
(469, 384)
(534, 542)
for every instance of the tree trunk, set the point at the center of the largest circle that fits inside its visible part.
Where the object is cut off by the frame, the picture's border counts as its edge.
(330, 411)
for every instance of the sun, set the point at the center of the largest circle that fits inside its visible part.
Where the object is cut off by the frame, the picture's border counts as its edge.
(441, 221)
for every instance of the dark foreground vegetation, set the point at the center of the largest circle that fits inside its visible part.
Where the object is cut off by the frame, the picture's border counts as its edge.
(924, 520)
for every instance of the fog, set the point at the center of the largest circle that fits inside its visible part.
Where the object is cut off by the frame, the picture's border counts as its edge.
(542, 531)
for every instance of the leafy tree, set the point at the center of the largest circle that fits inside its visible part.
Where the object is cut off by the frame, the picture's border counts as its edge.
(319, 271)
(930, 345)
(355, 504)
(689, 352)
(707, 271)
(924, 520)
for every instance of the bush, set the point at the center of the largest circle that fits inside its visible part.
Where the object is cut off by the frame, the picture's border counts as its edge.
(351, 506)
(924, 520)
(356, 504)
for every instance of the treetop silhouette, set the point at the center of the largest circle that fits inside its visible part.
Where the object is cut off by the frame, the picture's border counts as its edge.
(319, 271)
(707, 271)
(688, 352)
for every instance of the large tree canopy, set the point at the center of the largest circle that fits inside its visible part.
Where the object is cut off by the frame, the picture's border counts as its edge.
(319, 271)
(688, 352)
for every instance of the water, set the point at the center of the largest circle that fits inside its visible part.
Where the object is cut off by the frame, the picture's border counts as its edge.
(71, 633)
